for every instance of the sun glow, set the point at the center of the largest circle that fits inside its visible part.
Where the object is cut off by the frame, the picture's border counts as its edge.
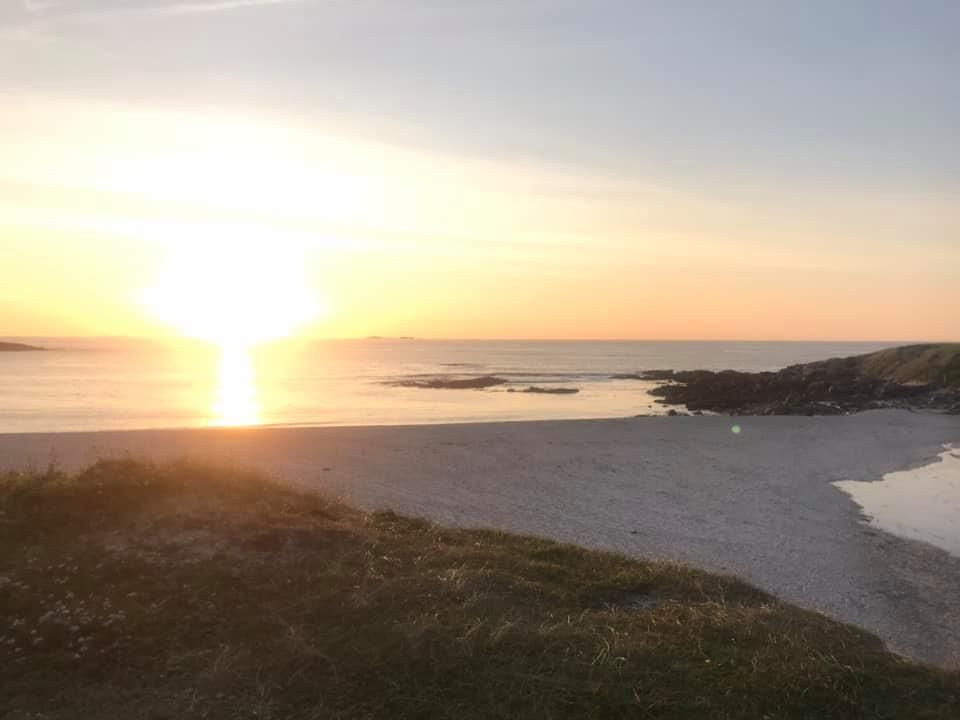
(234, 293)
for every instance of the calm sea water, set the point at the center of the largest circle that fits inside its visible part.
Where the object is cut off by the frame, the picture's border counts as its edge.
(100, 384)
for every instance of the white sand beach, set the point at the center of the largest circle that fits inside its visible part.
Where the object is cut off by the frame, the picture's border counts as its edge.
(760, 504)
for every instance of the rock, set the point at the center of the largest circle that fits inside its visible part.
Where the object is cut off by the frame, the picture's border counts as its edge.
(19, 347)
(476, 383)
(830, 387)
(546, 391)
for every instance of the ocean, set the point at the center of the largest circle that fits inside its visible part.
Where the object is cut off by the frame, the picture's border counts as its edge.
(114, 384)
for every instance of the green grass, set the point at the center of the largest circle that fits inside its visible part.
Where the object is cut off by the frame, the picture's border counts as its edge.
(179, 591)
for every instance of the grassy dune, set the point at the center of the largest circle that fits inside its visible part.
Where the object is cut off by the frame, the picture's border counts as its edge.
(938, 364)
(180, 591)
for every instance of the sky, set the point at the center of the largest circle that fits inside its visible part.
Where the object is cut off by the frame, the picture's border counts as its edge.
(496, 168)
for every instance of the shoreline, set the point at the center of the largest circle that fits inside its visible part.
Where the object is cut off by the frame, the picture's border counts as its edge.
(329, 426)
(730, 418)
(760, 505)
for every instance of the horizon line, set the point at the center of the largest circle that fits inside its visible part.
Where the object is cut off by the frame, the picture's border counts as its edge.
(374, 338)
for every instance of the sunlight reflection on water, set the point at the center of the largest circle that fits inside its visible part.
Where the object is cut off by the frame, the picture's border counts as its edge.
(236, 402)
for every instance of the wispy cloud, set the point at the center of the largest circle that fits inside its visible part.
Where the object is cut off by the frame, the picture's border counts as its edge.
(54, 10)
(212, 6)
(38, 6)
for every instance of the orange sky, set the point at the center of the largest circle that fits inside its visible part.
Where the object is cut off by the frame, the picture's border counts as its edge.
(529, 169)
(97, 199)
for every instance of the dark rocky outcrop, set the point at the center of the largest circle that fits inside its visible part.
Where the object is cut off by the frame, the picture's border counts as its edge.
(915, 377)
(475, 383)
(19, 347)
(547, 391)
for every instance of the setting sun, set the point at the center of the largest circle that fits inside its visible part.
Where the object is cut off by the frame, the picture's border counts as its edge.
(234, 292)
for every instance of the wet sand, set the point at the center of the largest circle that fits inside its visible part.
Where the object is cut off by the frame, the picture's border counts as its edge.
(759, 504)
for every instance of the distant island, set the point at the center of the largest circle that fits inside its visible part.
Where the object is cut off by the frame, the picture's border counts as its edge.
(19, 347)
(381, 337)
(913, 377)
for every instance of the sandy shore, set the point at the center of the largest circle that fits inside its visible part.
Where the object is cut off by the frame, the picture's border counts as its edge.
(758, 504)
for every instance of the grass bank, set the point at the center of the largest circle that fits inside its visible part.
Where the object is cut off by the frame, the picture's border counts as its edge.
(938, 364)
(180, 591)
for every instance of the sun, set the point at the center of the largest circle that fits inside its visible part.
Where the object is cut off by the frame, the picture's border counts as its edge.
(234, 292)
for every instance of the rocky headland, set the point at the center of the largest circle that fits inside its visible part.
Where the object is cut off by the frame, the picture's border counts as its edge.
(912, 377)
